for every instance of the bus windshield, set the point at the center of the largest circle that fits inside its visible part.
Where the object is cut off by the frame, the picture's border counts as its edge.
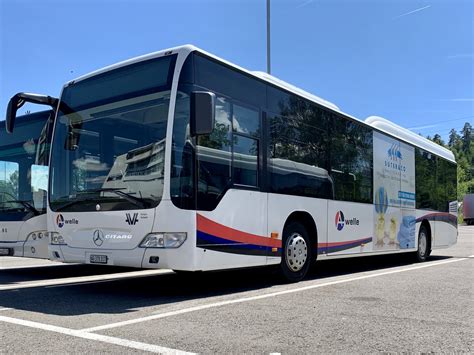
(24, 167)
(109, 139)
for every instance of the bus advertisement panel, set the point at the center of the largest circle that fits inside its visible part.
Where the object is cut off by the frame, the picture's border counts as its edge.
(394, 194)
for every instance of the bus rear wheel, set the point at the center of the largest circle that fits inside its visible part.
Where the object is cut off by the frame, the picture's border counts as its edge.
(296, 254)
(423, 244)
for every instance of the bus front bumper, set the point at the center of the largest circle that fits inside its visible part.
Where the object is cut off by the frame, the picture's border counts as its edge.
(150, 258)
(29, 248)
(11, 248)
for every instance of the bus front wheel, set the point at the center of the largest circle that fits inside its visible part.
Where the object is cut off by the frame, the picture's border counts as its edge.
(296, 253)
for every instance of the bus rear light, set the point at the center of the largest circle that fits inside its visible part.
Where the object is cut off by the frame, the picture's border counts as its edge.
(163, 240)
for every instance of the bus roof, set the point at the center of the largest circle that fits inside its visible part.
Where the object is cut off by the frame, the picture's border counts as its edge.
(380, 124)
(190, 48)
(29, 118)
(404, 134)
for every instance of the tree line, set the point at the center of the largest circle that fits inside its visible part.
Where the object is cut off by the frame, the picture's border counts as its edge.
(462, 146)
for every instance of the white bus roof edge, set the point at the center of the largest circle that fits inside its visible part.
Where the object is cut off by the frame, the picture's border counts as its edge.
(406, 135)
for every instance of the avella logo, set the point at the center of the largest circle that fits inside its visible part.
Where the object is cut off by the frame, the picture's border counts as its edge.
(341, 221)
(60, 221)
(131, 219)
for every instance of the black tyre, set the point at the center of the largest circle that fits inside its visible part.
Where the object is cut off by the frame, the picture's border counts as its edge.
(424, 249)
(297, 252)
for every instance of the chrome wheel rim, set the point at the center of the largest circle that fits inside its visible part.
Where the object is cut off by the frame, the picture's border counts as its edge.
(422, 244)
(296, 252)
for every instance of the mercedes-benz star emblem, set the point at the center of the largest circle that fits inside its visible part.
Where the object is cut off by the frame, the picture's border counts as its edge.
(98, 237)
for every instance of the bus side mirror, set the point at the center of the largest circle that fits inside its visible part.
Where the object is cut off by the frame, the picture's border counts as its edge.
(13, 105)
(203, 112)
(18, 100)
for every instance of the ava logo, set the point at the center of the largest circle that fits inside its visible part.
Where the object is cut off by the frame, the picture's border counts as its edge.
(131, 219)
(339, 220)
(60, 220)
(394, 152)
(98, 237)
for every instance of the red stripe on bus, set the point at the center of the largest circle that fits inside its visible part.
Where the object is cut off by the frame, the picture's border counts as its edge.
(213, 228)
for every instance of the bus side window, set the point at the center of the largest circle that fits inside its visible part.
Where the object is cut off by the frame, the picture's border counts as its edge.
(246, 126)
(214, 158)
(351, 160)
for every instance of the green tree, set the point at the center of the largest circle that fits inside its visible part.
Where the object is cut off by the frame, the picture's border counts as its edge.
(466, 137)
(454, 138)
(437, 139)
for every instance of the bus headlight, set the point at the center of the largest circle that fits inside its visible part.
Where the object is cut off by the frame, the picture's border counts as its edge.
(163, 240)
(56, 239)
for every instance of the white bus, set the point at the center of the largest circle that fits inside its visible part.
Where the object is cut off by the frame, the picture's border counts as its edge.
(23, 186)
(181, 160)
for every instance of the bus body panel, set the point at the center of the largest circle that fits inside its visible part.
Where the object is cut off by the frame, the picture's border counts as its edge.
(35, 248)
(443, 226)
(280, 207)
(350, 228)
(10, 232)
(235, 232)
(171, 219)
(106, 230)
(21, 240)
(168, 217)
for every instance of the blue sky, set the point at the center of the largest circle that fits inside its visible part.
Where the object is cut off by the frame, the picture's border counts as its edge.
(410, 61)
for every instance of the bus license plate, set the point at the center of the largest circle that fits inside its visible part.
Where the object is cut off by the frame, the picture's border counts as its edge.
(98, 259)
(4, 251)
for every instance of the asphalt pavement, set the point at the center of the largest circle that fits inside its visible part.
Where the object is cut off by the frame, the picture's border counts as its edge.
(373, 304)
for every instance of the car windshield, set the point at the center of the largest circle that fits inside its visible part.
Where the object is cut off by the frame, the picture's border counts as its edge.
(24, 167)
(109, 139)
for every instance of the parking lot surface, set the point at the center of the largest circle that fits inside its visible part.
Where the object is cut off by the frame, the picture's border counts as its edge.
(373, 304)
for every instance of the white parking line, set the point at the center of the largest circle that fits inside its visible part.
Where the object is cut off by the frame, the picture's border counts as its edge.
(33, 266)
(84, 279)
(267, 295)
(79, 283)
(97, 337)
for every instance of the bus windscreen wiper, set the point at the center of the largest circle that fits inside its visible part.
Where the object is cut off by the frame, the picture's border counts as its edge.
(68, 202)
(27, 206)
(137, 201)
